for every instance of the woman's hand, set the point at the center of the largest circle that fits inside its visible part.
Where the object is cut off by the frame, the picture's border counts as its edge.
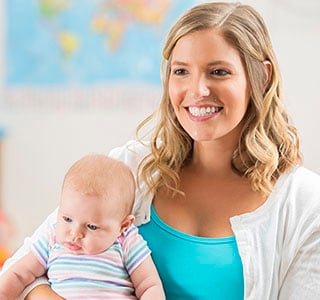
(41, 292)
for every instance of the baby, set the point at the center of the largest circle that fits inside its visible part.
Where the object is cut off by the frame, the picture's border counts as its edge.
(93, 250)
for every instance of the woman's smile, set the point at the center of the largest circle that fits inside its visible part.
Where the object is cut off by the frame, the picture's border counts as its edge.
(203, 112)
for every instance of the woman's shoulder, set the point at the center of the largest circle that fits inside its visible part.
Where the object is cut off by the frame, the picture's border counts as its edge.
(131, 153)
(304, 179)
(301, 187)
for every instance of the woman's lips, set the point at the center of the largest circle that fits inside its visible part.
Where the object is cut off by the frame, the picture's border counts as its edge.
(203, 113)
(203, 110)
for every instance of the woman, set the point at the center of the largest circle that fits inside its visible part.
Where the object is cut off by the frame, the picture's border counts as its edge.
(223, 203)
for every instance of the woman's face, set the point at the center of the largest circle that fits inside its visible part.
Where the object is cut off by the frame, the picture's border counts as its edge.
(208, 86)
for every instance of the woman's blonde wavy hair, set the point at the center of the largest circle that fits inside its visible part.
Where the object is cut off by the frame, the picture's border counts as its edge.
(268, 145)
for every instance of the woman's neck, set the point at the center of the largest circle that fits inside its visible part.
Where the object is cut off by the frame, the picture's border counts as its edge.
(212, 158)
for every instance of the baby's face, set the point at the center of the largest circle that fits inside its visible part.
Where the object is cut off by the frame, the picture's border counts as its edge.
(86, 224)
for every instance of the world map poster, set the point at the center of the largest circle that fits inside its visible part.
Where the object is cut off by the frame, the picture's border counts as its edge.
(68, 50)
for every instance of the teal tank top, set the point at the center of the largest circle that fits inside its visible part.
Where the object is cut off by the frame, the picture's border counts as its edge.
(194, 267)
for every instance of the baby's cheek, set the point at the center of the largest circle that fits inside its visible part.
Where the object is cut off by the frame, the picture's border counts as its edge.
(61, 234)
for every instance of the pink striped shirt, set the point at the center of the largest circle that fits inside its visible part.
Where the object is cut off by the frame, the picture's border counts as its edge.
(102, 276)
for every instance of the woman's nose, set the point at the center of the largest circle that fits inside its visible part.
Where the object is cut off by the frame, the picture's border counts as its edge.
(199, 87)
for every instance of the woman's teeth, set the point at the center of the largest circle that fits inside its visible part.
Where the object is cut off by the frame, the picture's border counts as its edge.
(203, 111)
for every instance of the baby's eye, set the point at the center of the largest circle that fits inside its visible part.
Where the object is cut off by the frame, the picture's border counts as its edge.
(220, 72)
(180, 72)
(67, 219)
(92, 227)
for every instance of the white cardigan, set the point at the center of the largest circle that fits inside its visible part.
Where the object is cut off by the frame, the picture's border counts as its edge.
(279, 243)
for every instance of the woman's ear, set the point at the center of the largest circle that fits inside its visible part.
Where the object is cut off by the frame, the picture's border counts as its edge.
(268, 72)
(126, 223)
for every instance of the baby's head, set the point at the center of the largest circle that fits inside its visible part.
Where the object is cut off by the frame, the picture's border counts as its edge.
(103, 177)
(96, 202)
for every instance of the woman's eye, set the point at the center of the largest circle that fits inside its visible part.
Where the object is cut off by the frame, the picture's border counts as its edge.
(220, 72)
(67, 219)
(92, 227)
(180, 72)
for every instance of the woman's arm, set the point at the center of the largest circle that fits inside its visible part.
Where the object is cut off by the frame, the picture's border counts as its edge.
(41, 292)
(302, 279)
(146, 281)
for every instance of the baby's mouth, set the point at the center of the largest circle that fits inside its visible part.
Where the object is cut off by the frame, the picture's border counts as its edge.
(73, 246)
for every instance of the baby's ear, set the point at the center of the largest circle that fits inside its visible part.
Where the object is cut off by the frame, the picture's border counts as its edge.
(126, 223)
(268, 72)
